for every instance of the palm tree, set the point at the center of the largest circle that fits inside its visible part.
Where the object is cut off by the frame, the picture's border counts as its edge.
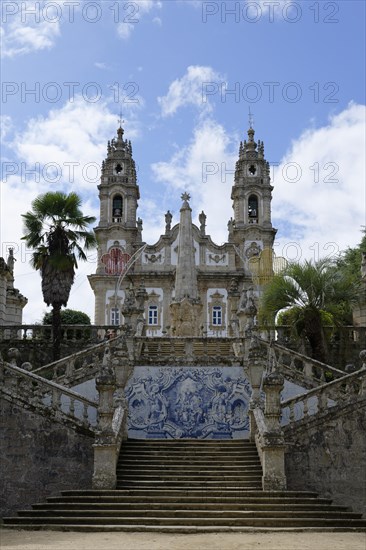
(57, 231)
(310, 289)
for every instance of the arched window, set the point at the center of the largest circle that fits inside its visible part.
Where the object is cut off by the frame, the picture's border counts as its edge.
(253, 209)
(117, 208)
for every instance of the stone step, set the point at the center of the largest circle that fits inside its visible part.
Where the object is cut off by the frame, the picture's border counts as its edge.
(191, 482)
(188, 505)
(187, 486)
(252, 496)
(191, 468)
(206, 514)
(255, 521)
(159, 461)
(191, 485)
(205, 475)
(184, 453)
(184, 529)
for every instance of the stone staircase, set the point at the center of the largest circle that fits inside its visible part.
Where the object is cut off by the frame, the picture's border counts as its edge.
(187, 486)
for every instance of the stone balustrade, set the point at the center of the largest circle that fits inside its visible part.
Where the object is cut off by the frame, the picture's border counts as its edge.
(70, 333)
(34, 393)
(344, 343)
(299, 368)
(78, 367)
(347, 390)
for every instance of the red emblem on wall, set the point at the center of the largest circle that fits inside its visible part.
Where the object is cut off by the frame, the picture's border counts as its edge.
(115, 261)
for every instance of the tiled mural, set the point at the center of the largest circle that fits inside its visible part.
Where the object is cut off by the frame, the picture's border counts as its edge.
(188, 402)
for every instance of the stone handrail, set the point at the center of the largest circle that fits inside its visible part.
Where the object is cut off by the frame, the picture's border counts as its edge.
(119, 426)
(300, 369)
(70, 333)
(78, 367)
(33, 392)
(348, 389)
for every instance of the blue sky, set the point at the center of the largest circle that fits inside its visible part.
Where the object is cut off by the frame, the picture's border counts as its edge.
(170, 66)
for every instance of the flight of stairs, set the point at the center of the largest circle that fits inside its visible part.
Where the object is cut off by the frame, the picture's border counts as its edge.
(187, 486)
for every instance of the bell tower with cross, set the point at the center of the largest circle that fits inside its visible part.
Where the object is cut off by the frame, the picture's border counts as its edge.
(251, 228)
(118, 232)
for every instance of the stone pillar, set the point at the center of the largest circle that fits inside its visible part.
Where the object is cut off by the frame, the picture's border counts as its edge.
(273, 443)
(123, 363)
(105, 452)
(186, 276)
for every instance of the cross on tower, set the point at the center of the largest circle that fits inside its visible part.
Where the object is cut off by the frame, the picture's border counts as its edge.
(251, 120)
(120, 120)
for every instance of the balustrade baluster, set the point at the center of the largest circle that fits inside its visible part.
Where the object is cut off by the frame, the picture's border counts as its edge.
(292, 412)
(85, 414)
(72, 406)
(322, 402)
(56, 398)
(307, 369)
(70, 368)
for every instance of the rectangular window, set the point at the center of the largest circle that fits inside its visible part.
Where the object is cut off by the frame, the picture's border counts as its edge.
(114, 316)
(217, 316)
(153, 315)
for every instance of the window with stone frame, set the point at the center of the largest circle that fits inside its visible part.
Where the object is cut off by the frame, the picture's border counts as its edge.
(115, 317)
(217, 316)
(153, 312)
(216, 312)
(152, 318)
(113, 311)
(117, 209)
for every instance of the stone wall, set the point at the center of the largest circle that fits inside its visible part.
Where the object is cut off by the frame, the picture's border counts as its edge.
(329, 456)
(39, 458)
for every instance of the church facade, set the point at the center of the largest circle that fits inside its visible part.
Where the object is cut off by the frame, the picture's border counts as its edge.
(189, 285)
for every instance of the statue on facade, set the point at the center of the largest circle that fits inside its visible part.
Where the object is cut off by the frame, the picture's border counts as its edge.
(202, 219)
(139, 225)
(168, 221)
(11, 260)
(230, 228)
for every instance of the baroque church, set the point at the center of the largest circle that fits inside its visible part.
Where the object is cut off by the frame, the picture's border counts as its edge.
(192, 286)
(185, 417)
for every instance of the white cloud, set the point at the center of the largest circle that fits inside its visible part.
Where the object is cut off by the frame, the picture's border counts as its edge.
(158, 21)
(328, 203)
(78, 133)
(204, 168)
(30, 28)
(136, 10)
(191, 89)
(6, 125)
(310, 214)
(100, 65)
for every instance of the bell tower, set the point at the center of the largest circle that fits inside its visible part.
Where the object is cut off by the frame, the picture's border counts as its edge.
(119, 232)
(252, 229)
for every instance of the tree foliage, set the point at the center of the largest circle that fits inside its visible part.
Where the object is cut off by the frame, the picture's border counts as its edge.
(68, 317)
(56, 229)
(310, 290)
(350, 260)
